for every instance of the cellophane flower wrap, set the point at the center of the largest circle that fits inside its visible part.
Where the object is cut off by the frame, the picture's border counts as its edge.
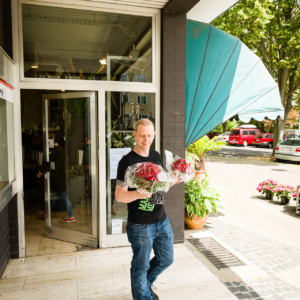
(179, 168)
(147, 178)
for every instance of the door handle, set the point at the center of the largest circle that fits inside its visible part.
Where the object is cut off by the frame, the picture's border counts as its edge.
(46, 167)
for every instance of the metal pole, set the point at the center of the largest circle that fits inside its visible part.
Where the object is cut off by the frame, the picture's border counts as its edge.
(108, 139)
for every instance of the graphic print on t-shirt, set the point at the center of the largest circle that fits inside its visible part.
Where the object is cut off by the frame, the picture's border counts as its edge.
(149, 204)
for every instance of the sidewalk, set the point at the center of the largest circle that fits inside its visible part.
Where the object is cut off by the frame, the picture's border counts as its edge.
(262, 233)
(105, 274)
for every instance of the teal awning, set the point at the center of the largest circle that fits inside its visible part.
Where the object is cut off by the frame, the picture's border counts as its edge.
(224, 78)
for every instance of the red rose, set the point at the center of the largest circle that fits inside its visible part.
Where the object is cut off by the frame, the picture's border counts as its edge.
(176, 166)
(141, 174)
(150, 176)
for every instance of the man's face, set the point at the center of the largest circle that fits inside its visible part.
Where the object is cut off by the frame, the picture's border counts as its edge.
(144, 136)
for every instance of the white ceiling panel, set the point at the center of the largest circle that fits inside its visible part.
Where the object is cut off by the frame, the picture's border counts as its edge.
(208, 10)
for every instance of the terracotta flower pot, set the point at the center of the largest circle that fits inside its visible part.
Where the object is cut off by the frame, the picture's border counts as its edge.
(197, 222)
(200, 175)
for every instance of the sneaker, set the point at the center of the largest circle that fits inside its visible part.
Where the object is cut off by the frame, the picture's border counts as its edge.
(42, 215)
(154, 296)
(68, 220)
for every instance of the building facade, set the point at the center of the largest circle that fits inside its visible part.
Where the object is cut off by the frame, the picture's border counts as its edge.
(75, 76)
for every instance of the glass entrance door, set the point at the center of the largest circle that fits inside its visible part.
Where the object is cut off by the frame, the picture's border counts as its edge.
(69, 132)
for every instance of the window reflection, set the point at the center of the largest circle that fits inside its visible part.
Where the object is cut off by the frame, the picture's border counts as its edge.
(62, 43)
(123, 110)
(6, 144)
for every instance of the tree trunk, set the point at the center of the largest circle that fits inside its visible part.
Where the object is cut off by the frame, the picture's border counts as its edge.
(224, 127)
(279, 128)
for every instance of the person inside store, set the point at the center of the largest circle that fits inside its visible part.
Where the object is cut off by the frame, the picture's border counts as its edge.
(146, 229)
(58, 180)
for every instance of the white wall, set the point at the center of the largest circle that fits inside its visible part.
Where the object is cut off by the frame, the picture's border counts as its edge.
(6, 68)
(208, 10)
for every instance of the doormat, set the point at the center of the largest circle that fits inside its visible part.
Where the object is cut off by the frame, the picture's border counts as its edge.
(219, 256)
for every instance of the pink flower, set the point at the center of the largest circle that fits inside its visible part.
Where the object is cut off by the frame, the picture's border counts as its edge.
(274, 190)
(259, 188)
(261, 184)
(294, 194)
(288, 186)
(268, 188)
(275, 182)
(264, 187)
(288, 190)
(280, 189)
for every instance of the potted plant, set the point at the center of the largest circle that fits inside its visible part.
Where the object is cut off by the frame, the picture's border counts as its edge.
(37, 146)
(200, 200)
(76, 183)
(29, 133)
(85, 145)
(285, 193)
(199, 148)
(266, 187)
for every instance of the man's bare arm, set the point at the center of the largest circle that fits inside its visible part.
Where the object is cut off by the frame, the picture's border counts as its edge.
(123, 195)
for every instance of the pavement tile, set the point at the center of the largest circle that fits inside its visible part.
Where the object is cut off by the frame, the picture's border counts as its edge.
(240, 296)
(233, 289)
(255, 294)
(236, 283)
(277, 297)
(242, 288)
(228, 284)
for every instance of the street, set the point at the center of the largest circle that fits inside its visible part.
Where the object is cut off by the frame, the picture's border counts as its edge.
(241, 151)
(264, 233)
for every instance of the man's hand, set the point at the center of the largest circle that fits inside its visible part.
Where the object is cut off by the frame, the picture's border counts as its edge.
(123, 195)
(178, 181)
(143, 195)
(39, 175)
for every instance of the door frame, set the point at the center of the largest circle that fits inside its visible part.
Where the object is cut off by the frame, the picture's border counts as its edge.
(79, 85)
(59, 233)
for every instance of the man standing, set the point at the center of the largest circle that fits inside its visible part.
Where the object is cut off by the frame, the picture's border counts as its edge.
(148, 226)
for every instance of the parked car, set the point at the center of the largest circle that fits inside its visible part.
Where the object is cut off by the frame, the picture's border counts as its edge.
(263, 140)
(292, 136)
(288, 150)
(224, 137)
(242, 136)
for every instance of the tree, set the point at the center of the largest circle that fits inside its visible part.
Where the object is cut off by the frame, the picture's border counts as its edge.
(271, 29)
(228, 125)
(292, 121)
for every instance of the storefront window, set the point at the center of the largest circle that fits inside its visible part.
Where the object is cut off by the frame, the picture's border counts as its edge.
(6, 144)
(62, 43)
(123, 110)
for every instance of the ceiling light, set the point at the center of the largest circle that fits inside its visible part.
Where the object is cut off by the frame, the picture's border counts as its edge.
(34, 67)
(134, 52)
(63, 90)
(60, 69)
(102, 61)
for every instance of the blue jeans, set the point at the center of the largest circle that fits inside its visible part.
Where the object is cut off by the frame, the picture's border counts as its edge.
(65, 201)
(144, 237)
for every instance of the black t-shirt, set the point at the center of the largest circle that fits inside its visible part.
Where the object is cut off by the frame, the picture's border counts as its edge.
(143, 211)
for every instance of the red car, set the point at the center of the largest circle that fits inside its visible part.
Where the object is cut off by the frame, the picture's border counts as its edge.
(242, 136)
(263, 140)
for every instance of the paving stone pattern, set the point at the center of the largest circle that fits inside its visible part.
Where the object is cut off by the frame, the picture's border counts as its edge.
(269, 255)
(267, 288)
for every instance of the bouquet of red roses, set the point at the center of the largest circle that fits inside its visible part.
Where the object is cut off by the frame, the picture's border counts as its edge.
(179, 168)
(147, 177)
